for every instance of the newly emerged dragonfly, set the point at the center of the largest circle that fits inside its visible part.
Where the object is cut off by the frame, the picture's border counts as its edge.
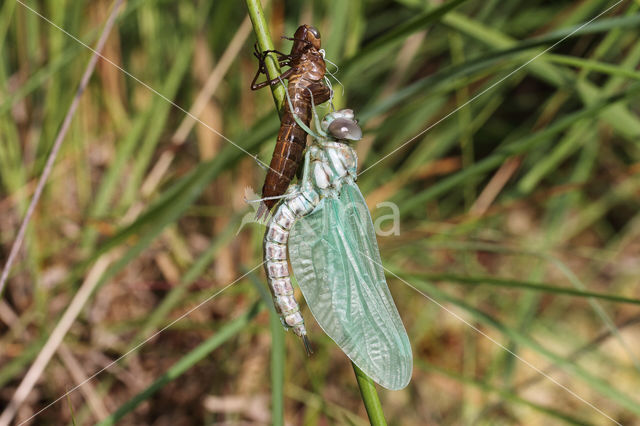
(305, 77)
(324, 225)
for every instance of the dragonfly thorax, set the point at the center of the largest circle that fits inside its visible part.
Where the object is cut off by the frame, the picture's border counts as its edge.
(331, 165)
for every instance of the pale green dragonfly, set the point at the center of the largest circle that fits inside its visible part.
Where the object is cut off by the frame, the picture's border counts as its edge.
(323, 227)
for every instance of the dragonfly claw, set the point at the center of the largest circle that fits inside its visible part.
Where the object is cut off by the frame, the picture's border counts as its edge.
(307, 345)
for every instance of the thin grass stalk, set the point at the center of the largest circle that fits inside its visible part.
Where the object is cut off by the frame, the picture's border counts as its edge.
(57, 143)
(36, 369)
(365, 383)
(370, 397)
(261, 29)
(278, 355)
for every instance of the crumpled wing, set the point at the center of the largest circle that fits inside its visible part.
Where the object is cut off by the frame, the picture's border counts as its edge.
(337, 265)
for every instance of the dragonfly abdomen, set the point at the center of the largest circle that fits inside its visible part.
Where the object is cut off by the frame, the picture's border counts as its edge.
(275, 258)
(288, 152)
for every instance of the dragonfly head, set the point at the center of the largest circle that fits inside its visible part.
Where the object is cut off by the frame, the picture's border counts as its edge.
(342, 125)
(307, 35)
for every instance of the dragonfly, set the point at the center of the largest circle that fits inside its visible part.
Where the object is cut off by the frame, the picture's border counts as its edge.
(305, 77)
(322, 226)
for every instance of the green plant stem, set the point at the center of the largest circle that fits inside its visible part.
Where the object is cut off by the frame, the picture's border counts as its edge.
(277, 354)
(277, 369)
(261, 29)
(369, 397)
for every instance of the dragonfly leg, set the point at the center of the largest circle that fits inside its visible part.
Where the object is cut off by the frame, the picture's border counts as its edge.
(283, 60)
(257, 52)
(269, 81)
(254, 85)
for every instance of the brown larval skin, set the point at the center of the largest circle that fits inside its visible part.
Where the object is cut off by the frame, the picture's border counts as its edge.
(305, 78)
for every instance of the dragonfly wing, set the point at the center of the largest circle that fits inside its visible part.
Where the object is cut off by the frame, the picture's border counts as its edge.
(336, 262)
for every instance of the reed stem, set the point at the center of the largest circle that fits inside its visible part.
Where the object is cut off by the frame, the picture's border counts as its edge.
(261, 29)
(370, 397)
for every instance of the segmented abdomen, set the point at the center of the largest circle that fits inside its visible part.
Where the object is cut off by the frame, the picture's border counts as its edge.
(290, 145)
(275, 258)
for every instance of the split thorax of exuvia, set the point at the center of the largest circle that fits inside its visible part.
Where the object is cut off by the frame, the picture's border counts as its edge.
(305, 36)
(306, 55)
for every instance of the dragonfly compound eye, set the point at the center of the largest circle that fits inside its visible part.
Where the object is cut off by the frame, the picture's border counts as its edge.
(315, 32)
(343, 128)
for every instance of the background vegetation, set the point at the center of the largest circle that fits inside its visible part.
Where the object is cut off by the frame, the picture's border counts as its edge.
(519, 211)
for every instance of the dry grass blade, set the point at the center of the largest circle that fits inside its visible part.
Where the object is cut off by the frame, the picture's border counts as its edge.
(45, 355)
(15, 248)
(180, 135)
(495, 185)
(76, 371)
(106, 260)
(54, 341)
